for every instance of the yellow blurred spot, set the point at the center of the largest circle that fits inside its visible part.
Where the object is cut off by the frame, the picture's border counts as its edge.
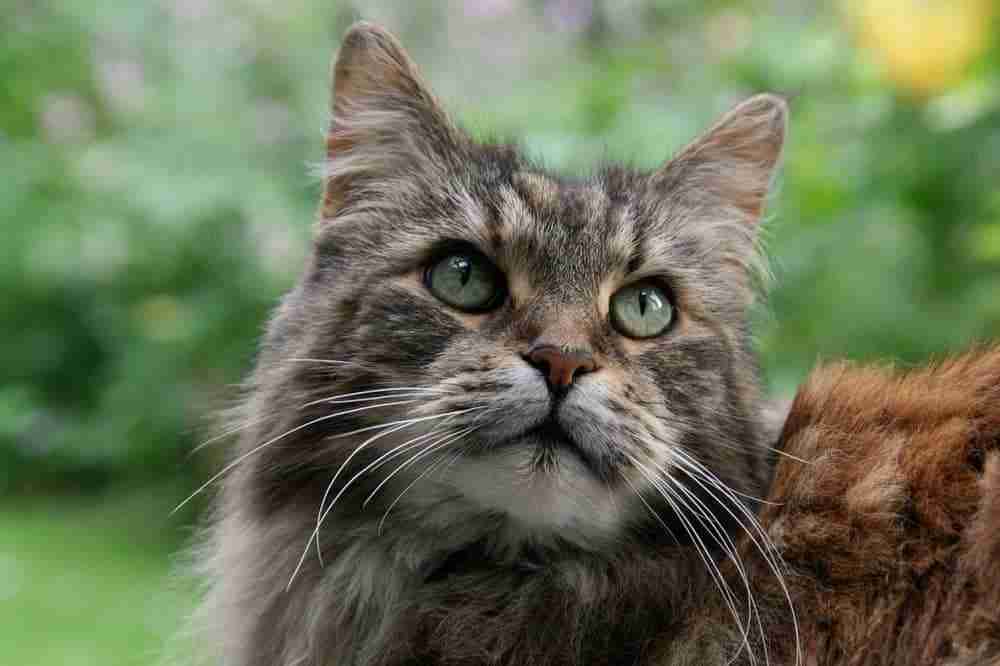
(925, 45)
(162, 318)
(985, 242)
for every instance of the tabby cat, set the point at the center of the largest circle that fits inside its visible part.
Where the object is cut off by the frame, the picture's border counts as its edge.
(509, 417)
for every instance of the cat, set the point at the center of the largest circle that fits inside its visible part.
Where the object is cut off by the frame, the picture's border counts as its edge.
(506, 416)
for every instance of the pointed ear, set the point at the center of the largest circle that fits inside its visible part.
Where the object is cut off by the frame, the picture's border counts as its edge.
(735, 160)
(385, 120)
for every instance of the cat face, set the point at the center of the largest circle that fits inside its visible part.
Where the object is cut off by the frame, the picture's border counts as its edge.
(473, 331)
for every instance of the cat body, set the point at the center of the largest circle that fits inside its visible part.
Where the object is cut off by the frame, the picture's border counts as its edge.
(891, 529)
(508, 417)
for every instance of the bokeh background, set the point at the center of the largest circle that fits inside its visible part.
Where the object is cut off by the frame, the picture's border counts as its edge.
(155, 200)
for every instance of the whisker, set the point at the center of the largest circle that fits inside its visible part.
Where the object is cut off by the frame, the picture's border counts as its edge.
(314, 535)
(661, 489)
(271, 441)
(694, 467)
(370, 398)
(326, 512)
(723, 586)
(430, 468)
(329, 361)
(228, 433)
(767, 549)
(405, 422)
(391, 423)
(419, 390)
(401, 392)
(651, 510)
(706, 518)
(322, 505)
(720, 439)
(435, 446)
(725, 591)
(727, 493)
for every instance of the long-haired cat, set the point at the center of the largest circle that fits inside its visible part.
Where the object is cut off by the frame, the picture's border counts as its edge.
(508, 417)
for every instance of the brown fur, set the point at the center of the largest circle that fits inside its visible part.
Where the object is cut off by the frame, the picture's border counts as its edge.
(891, 532)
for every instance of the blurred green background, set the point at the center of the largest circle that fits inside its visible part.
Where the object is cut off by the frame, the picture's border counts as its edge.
(155, 200)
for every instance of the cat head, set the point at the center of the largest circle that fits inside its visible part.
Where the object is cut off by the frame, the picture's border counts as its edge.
(476, 331)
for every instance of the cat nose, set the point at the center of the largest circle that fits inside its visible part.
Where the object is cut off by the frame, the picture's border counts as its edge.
(561, 366)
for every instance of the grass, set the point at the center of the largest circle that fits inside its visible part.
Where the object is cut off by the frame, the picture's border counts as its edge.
(86, 581)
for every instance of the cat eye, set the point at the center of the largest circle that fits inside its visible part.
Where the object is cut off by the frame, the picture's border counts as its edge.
(641, 310)
(466, 280)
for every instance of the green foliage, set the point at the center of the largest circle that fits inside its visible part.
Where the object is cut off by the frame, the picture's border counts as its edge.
(156, 196)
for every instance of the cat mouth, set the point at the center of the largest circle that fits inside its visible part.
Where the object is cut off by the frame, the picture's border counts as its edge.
(551, 440)
(550, 432)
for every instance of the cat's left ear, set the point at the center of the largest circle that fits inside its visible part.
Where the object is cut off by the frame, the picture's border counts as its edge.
(735, 160)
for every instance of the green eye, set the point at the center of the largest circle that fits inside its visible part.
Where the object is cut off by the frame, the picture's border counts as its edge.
(641, 310)
(467, 281)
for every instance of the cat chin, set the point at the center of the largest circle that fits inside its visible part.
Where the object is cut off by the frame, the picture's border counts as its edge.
(563, 499)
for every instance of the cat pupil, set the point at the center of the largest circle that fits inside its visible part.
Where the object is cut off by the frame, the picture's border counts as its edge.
(464, 268)
(643, 297)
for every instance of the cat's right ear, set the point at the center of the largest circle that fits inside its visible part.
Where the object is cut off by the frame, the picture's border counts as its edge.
(385, 121)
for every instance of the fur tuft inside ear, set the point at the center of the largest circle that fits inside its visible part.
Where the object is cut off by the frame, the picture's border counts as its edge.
(385, 119)
(735, 160)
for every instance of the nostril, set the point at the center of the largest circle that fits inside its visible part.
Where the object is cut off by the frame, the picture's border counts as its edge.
(540, 364)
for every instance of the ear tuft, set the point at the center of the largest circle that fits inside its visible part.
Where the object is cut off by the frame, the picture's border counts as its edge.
(735, 160)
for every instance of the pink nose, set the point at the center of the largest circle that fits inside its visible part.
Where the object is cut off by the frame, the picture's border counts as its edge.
(561, 366)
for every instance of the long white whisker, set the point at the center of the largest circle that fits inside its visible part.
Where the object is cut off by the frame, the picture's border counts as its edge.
(744, 628)
(328, 361)
(701, 475)
(403, 392)
(772, 557)
(651, 510)
(694, 469)
(437, 445)
(720, 439)
(229, 433)
(700, 548)
(326, 512)
(705, 517)
(368, 398)
(660, 488)
(315, 535)
(405, 422)
(329, 487)
(703, 552)
(271, 441)
(379, 391)
(395, 454)
(431, 467)
(357, 431)
(321, 513)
